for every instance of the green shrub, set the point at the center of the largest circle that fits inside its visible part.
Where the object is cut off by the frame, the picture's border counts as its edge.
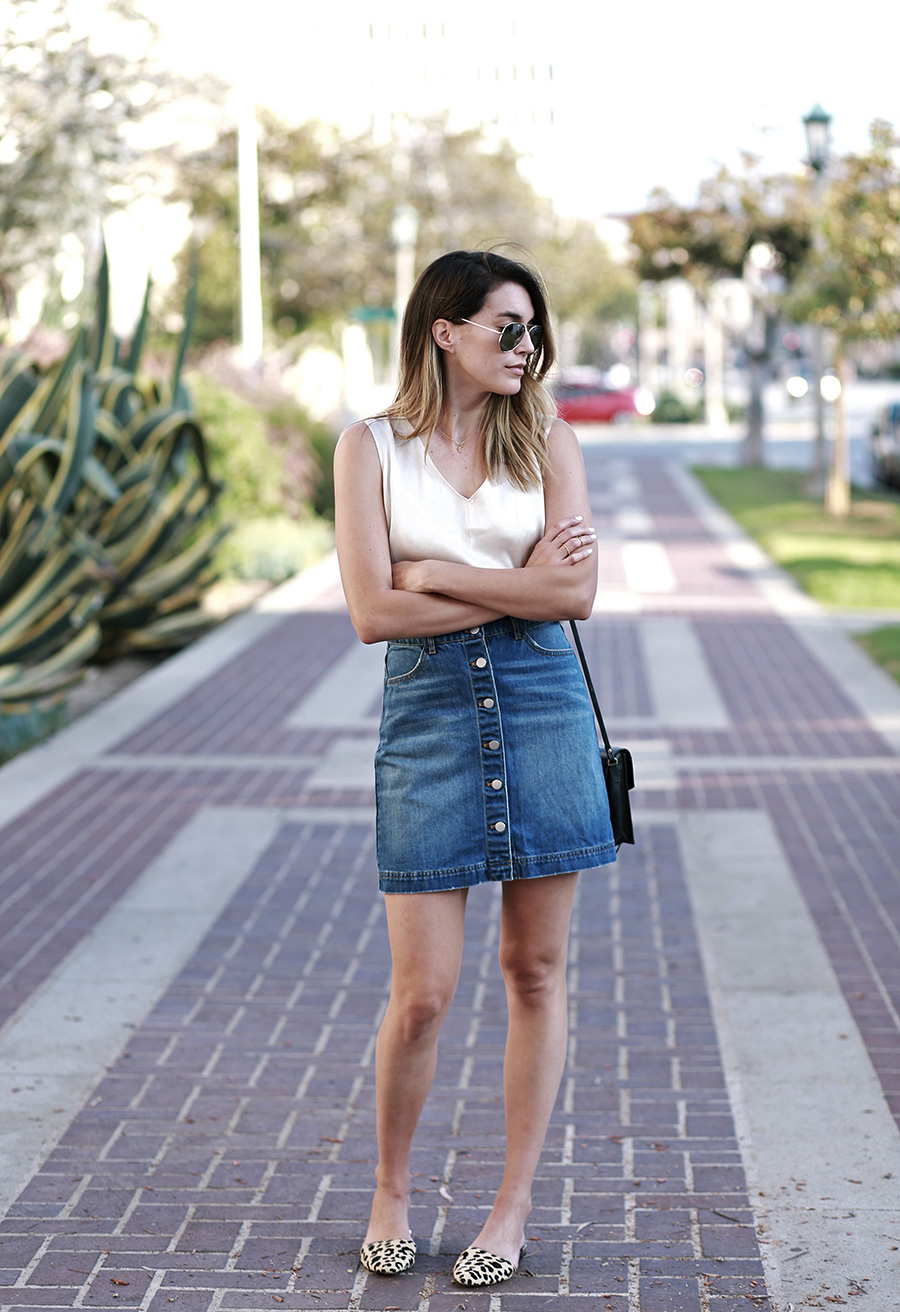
(240, 454)
(20, 730)
(670, 409)
(275, 467)
(322, 444)
(273, 548)
(307, 453)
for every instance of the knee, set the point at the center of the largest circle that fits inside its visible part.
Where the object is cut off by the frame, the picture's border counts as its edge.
(418, 1015)
(533, 980)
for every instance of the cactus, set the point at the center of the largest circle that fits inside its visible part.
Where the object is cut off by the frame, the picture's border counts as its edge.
(106, 504)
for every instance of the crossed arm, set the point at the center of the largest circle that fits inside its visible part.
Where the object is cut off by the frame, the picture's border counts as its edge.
(427, 597)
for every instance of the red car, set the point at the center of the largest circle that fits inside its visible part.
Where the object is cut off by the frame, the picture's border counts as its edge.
(592, 403)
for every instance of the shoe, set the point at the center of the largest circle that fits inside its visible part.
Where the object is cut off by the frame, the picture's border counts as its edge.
(477, 1267)
(388, 1257)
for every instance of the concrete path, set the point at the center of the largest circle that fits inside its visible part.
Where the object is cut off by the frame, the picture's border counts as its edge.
(194, 965)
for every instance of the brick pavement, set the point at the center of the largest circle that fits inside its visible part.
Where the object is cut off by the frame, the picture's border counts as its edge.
(224, 1160)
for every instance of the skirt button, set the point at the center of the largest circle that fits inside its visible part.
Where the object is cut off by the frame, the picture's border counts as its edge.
(492, 744)
(496, 783)
(480, 663)
(500, 827)
(488, 703)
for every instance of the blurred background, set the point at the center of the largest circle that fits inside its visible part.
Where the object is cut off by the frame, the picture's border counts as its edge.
(712, 196)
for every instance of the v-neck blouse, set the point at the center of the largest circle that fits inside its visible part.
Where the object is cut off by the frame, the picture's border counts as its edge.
(428, 519)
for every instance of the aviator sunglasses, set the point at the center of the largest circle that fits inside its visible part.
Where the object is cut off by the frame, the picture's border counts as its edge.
(512, 334)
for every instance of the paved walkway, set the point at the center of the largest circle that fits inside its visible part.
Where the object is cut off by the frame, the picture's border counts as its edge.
(194, 965)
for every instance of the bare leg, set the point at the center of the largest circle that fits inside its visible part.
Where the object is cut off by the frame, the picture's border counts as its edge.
(534, 940)
(426, 935)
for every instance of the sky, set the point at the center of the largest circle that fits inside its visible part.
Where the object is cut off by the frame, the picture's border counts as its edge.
(606, 101)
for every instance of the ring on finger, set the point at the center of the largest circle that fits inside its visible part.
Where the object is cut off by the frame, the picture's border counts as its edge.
(566, 545)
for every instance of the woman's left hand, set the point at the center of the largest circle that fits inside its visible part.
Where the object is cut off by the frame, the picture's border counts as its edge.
(564, 543)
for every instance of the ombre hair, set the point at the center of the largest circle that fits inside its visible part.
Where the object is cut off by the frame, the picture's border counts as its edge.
(515, 428)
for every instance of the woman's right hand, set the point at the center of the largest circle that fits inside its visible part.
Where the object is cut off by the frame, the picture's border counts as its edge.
(564, 543)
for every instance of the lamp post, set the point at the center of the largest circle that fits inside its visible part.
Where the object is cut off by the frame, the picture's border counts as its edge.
(248, 209)
(817, 124)
(404, 235)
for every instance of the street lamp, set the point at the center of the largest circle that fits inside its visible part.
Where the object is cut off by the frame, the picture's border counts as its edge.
(816, 125)
(248, 230)
(404, 235)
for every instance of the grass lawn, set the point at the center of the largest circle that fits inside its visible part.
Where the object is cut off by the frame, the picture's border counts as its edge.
(851, 563)
(883, 645)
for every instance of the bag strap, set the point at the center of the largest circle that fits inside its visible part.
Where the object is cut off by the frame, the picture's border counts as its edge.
(590, 687)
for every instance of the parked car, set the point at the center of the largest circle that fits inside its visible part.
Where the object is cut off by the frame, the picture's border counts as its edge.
(595, 403)
(885, 445)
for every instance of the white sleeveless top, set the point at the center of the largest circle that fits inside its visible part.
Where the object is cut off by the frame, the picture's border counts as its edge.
(427, 518)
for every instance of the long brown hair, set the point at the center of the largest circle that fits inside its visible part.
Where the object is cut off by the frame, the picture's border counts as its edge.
(455, 287)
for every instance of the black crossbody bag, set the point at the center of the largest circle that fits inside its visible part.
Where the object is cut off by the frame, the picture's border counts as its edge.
(618, 768)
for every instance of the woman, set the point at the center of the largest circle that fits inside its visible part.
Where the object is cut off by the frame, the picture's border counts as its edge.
(488, 767)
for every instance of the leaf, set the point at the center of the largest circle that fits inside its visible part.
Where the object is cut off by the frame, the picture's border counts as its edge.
(97, 477)
(17, 386)
(101, 347)
(140, 333)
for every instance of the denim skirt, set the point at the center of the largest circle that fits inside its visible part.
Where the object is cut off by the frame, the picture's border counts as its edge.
(488, 766)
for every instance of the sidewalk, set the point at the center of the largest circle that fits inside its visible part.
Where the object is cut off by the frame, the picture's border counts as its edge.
(194, 965)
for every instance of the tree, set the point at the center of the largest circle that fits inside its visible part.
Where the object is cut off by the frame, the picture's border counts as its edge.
(590, 290)
(712, 239)
(851, 283)
(68, 107)
(326, 204)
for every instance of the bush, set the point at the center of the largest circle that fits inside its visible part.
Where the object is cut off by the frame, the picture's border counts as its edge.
(275, 468)
(241, 457)
(273, 548)
(670, 409)
(20, 730)
(307, 450)
(322, 444)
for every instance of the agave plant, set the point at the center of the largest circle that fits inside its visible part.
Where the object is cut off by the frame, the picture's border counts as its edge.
(105, 510)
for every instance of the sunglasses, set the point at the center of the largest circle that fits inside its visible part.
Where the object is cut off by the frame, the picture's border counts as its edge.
(512, 334)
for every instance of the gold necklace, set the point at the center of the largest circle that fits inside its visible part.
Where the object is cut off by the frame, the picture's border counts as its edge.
(459, 445)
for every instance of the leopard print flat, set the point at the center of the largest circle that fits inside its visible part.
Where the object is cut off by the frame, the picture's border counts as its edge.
(477, 1267)
(388, 1257)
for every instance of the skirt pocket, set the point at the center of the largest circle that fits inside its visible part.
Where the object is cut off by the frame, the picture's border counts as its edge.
(402, 661)
(548, 639)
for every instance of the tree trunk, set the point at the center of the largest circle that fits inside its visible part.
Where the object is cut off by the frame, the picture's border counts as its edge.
(837, 490)
(816, 482)
(758, 356)
(753, 442)
(714, 361)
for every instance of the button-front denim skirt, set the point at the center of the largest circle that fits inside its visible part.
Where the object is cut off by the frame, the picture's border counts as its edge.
(488, 766)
